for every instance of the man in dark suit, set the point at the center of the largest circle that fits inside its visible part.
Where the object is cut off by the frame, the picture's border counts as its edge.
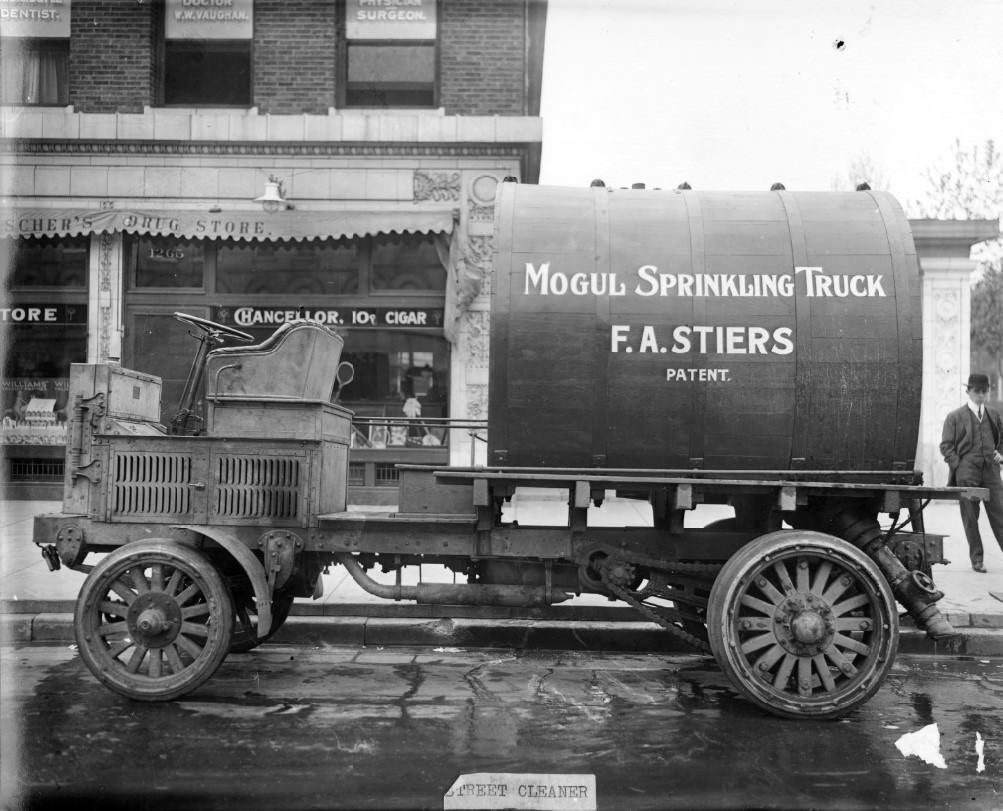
(972, 445)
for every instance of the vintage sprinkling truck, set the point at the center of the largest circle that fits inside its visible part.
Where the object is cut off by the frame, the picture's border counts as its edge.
(759, 349)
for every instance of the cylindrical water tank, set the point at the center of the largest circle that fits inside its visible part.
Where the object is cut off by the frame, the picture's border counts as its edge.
(651, 329)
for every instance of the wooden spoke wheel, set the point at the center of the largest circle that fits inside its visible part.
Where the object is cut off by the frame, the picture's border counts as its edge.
(245, 609)
(803, 624)
(153, 620)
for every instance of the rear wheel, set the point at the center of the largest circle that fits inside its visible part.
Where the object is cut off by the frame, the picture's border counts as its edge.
(803, 624)
(153, 620)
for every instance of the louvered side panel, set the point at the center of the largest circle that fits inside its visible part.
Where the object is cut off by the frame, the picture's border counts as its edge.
(251, 488)
(150, 485)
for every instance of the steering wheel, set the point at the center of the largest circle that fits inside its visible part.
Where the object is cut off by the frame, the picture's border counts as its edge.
(214, 329)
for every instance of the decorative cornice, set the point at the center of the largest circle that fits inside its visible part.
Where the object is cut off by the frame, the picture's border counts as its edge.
(309, 149)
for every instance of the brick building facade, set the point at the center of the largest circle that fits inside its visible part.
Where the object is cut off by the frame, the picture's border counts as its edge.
(136, 139)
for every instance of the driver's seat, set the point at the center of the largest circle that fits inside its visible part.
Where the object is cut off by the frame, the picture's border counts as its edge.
(299, 361)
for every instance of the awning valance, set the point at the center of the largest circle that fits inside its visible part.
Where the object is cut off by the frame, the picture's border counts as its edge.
(250, 225)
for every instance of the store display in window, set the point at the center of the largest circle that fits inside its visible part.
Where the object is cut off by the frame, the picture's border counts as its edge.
(35, 411)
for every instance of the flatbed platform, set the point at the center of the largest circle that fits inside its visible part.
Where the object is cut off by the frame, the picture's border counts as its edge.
(359, 516)
(893, 487)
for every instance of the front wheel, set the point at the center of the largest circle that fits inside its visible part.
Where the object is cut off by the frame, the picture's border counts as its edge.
(153, 620)
(803, 624)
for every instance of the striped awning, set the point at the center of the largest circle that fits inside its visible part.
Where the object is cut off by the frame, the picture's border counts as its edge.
(202, 224)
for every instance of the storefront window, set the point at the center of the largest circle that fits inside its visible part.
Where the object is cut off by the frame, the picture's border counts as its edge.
(399, 375)
(48, 262)
(407, 262)
(393, 366)
(36, 384)
(296, 268)
(169, 262)
(45, 321)
(382, 293)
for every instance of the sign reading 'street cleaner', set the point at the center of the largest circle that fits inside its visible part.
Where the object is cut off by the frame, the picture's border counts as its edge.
(530, 792)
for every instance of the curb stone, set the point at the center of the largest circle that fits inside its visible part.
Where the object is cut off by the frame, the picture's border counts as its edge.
(984, 637)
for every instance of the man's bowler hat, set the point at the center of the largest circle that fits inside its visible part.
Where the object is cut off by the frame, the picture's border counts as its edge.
(978, 382)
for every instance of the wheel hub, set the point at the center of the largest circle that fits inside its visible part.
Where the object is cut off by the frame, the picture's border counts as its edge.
(808, 628)
(804, 625)
(154, 619)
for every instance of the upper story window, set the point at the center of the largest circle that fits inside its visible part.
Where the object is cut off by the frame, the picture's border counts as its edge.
(207, 53)
(35, 52)
(35, 71)
(390, 54)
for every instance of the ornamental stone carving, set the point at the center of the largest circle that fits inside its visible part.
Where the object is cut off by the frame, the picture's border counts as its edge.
(477, 401)
(479, 252)
(309, 149)
(105, 266)
(480, 214)
(478, 334)
(947, 306)
(947, 356)
(483, 189)
(436, 186)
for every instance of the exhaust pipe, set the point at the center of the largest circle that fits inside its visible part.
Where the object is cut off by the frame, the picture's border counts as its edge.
(454, 594)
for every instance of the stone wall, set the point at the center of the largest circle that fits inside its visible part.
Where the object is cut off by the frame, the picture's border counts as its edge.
(944, 249)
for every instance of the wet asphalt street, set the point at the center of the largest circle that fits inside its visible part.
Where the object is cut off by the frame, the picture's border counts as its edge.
(289, 727)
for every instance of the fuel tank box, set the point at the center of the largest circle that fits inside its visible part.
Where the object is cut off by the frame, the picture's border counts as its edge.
(682, 329)
(105, 400)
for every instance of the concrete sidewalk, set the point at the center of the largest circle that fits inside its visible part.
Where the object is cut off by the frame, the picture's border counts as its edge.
(37, 605)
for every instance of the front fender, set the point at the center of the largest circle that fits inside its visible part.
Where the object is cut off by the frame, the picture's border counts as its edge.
(249, 563)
